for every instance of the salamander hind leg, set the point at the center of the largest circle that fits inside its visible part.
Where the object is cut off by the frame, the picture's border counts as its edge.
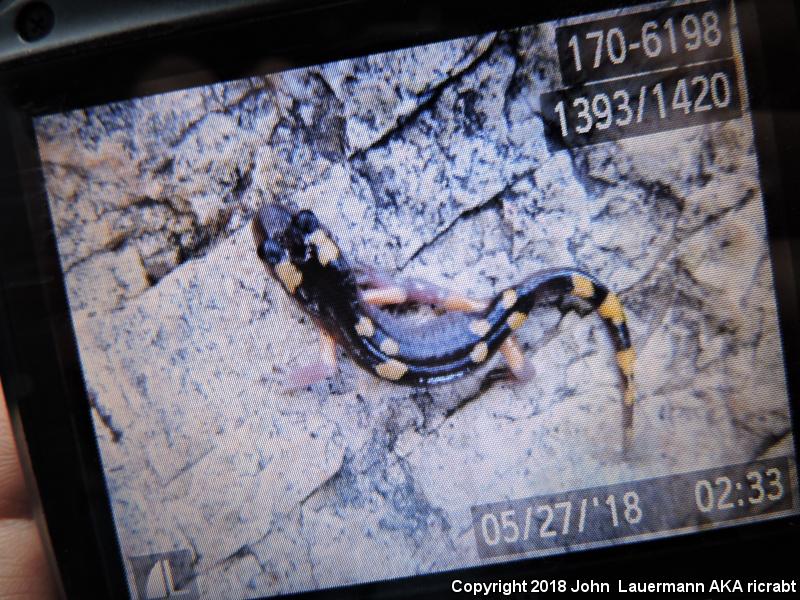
(608, 306)
(519, 366)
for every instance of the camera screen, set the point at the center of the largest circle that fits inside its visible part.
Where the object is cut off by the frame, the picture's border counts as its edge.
(467, 302)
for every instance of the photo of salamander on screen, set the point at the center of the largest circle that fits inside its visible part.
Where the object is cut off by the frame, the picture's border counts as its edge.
(300, 253)
(340, 305)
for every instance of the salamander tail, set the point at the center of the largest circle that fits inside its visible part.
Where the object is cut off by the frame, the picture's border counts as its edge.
(609, 307)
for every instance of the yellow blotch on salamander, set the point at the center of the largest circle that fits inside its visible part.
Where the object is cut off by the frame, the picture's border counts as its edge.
(327, 250)
(611, 309)
(582, 287)
(509, 298)
(390, 347)
(392, 369)
(516, 319)
(480, 327)
(479, 352)
(290, 275)
(365, 327)
(625, 360)
(630, 394)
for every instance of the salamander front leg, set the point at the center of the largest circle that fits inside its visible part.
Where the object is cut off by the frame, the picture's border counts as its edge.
(326, 366)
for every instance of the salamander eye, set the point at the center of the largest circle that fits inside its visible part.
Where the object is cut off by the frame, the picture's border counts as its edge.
(270, 252)
(307, 221)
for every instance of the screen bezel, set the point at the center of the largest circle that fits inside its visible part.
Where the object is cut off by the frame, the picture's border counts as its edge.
(39, 362)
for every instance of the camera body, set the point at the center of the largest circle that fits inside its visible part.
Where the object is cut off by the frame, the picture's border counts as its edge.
(346, 298)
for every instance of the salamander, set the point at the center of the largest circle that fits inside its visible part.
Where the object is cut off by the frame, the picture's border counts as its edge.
(301, 254)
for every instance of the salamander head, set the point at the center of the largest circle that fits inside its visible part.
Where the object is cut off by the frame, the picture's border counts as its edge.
(291, 245)
(278, 233)
(270, 229)
(280, 244)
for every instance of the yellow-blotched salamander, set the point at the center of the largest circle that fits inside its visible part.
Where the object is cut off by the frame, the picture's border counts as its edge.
(302, 255)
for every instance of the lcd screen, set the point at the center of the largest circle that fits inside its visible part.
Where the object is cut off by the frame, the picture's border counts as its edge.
(473, 301)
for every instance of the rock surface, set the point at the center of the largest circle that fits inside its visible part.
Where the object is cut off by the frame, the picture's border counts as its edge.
(430, 162)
